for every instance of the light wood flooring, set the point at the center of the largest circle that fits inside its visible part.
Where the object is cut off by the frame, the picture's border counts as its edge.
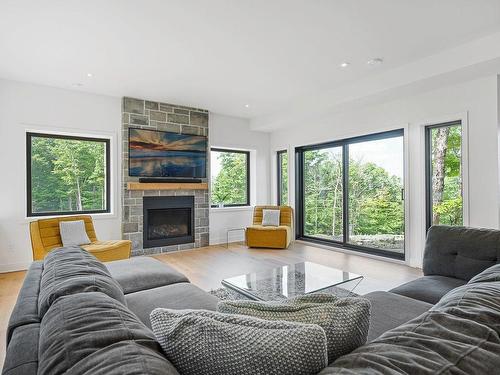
(206, 268)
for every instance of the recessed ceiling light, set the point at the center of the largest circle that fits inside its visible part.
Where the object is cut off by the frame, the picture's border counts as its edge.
(345, 64)
(89, 75)
(375, 61)
(247, 105)
(77, 84)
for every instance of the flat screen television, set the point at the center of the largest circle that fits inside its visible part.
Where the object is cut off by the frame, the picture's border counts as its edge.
(154, 153)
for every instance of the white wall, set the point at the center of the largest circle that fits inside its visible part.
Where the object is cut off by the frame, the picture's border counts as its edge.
(477, 99)
(32, 107)
(233, 132)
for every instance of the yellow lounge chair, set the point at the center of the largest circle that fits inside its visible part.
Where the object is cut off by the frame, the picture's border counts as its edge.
(278, 237)
(45, 236)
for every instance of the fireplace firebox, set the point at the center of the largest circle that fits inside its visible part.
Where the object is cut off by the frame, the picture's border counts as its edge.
(168, 221)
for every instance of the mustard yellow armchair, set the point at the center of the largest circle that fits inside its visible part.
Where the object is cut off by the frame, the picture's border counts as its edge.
(278, 237)
(45, 236)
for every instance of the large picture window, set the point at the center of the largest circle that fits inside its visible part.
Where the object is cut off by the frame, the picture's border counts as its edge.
(444, 174)
(67, 175)
(350, 193)
(230, 172)
(282, 178)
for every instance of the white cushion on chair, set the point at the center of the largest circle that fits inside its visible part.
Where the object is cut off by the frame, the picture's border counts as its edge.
(73, 233)
(270, 218)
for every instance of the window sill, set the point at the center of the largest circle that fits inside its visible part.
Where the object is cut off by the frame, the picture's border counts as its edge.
(231, 209)
(98, 216)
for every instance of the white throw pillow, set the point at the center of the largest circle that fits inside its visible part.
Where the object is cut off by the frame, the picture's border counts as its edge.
(270, 218)
(73, 233)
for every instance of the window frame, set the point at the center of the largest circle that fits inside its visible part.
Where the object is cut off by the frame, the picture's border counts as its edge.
(247, 156)
(279, 177)
(428, 169)
(29, 202)
(299, 196)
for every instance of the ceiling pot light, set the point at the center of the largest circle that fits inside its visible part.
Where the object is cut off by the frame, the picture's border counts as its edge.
(247, 105)
(375, 61)
(345, 64)
(89, 75)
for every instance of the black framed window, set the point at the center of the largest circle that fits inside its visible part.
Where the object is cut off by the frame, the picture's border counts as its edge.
(282, 177)
(350, 193)
(444, 179)
(67, 175)
(230, 172)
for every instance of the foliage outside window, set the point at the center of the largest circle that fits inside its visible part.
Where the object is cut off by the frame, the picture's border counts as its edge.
(282, 177)
(67, 175)
(444, 174)
(351, 193)
(230, 177)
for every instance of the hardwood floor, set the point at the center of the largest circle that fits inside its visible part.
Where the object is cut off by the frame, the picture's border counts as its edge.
(206, 268)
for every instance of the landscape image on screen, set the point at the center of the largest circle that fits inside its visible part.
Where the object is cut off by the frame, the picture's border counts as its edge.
(163, 154)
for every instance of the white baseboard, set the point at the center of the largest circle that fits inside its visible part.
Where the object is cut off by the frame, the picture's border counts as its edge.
(12, 267)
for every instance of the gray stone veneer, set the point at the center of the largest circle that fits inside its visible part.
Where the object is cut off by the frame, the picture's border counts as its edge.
(144, 114)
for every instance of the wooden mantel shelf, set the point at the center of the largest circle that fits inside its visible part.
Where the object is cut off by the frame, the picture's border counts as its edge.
(166, 186)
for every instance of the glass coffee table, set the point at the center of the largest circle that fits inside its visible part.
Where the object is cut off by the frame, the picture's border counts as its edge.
(293, 280)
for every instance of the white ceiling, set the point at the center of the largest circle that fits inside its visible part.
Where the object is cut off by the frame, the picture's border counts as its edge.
(223, 54)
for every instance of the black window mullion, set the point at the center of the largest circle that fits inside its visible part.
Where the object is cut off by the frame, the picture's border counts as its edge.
(345, 193)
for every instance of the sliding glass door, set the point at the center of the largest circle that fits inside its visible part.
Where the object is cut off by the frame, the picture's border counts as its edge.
(376, 207)
(350, 193)
(323, 193)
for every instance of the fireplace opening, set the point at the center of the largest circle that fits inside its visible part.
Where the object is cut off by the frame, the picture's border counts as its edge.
(168, 221)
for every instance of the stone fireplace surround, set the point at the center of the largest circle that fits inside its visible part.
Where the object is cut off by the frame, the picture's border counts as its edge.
(144, 114)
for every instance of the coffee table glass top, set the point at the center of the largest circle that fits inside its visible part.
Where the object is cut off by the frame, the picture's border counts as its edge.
(292, 280)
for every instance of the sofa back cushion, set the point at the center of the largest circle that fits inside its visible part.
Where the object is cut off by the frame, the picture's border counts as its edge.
(125, 357)
(460, 252)
(72, 270)
(76, 327)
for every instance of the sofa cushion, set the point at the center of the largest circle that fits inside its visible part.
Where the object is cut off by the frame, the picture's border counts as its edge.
(26, 308)
(71, 270)
(174, 296)
(344, 320)
(489, 274)
(124, 357)
(460, 252)
(459, 335)
(206, 342)
(390, 310)
(433, 343)
(429, 289)
(141, 273)
(78, 325)
(22, 351)
(478, 301)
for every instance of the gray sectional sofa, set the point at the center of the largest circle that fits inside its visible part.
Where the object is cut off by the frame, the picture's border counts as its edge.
(76, 315)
